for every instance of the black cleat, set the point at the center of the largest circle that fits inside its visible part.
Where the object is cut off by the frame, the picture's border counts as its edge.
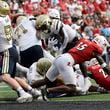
(44, 93)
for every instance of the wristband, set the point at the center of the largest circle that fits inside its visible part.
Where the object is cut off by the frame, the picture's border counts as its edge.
(103, 65)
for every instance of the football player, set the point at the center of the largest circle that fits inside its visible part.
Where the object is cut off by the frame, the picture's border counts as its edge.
(63, 65)
(58, 34)
(28, 41)
(97, 73)
(26, 38)
(8, 54)
(36, 72)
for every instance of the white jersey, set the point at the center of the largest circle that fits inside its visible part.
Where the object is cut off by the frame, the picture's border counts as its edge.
(6, 33)
(25, 34)
(69, 33)
(32, 74)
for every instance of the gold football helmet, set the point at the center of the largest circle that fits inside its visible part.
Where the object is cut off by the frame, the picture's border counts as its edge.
(4, 8)
(43, 22)
(43, 65)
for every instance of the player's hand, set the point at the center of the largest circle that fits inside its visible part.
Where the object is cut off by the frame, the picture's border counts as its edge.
(52, 42)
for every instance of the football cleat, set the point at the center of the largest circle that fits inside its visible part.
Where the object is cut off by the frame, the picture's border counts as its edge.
(44, 93)
(25, 98)
(102, 90)
(35, 93)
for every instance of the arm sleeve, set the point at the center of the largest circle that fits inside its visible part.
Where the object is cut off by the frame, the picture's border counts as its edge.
(65, 42)
(21, 68)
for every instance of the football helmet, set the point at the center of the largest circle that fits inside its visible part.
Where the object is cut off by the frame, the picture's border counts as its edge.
(4, 8)
(54, 13)
(56, 26)
(43, 65)
(101, 40)
(43, 23)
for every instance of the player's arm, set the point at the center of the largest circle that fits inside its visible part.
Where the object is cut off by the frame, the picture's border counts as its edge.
(83, 69)
(65, 41)
(21, 68)
(102, 63)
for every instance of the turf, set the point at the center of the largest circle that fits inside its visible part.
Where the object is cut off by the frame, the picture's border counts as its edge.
(7, 92)
(89, 97)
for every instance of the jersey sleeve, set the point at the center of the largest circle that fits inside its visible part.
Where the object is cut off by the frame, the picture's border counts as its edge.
(31, 73)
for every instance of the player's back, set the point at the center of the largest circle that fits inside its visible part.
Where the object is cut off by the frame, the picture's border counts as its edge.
(32, 74)
(25, 34)
(100, 76)
(69, 32)
(84, 49)
(6, 33)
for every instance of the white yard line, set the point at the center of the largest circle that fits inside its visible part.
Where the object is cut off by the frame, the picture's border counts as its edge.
(3, 86)
(7, 91)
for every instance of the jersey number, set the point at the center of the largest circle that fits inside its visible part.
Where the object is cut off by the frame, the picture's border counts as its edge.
(8, 32)
(81, 46)
(20, 30)
(103, 73)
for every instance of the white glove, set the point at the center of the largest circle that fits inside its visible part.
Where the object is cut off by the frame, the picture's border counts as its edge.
(52, 42)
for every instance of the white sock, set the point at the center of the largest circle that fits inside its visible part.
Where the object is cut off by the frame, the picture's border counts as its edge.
(21, 91)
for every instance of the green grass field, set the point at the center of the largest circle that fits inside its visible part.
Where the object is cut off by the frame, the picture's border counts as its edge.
(7, 92)
(89, 97)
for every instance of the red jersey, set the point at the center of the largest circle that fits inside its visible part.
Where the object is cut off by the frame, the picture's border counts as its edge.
(99, 76)
(83, 51)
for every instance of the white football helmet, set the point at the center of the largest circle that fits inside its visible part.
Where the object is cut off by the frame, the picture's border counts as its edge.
(4, 8)
(54, 13)
(43, 65)
(102, 41)
(56, 26)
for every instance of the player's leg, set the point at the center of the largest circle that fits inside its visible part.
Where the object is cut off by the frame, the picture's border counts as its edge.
(51, 76)
(31, 55)
(28, 88)
(64, 65)
(8, 66)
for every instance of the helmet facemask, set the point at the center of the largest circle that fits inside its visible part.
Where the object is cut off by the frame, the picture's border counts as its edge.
(101, 40)
(45, 28)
